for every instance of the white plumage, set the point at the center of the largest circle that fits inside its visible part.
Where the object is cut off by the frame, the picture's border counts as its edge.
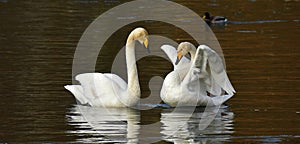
(191, 81)
(109, 90)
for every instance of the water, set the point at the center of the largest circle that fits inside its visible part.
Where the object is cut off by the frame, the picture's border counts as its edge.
(94, 125)
(38, 41)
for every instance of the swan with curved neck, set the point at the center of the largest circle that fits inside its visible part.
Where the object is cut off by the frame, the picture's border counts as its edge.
(140, 35)
(109, 90)
(188, 86)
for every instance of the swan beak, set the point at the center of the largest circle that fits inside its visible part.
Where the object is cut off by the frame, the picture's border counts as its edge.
(179, 56)
(146, 44)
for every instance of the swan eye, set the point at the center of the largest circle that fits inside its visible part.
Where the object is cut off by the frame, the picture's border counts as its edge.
(182, 50)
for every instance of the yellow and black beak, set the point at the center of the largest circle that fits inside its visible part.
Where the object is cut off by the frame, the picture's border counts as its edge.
(203, 17)
(179, 57)
(146, 44)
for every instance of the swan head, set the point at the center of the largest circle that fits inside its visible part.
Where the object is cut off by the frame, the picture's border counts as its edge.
(141, 35)
(184, 49)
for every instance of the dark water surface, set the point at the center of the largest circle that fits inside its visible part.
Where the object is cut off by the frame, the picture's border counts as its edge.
(38, 40)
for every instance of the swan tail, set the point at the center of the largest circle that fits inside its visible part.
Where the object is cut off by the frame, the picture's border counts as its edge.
(77, 91)
(219, 100)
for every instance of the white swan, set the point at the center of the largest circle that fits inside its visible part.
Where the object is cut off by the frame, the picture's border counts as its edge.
(189, 86)
(109, 90)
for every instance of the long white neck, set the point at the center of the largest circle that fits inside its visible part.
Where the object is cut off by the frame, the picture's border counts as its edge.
(193, 54)
(188, 77)
(198, 60)
(133, 88)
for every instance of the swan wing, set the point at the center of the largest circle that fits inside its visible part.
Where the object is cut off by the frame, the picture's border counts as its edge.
(212, 71)
(171, 52)
(96, 86)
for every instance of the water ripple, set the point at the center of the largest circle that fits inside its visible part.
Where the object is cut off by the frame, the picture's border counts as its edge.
(256, 22)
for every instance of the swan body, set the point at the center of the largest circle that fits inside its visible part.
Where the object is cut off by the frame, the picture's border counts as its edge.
(109, 90)
(190, 85)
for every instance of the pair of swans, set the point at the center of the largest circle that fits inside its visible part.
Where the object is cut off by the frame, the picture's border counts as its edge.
(181, 86)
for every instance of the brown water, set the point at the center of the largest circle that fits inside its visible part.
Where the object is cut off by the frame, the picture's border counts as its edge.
(38, 40)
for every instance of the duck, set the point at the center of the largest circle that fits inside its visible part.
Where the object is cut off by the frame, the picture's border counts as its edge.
(110, 90)
(214, 20)
(200, 81)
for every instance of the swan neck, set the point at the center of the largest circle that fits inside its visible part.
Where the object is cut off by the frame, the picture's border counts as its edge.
(193, 53)
(132, 74)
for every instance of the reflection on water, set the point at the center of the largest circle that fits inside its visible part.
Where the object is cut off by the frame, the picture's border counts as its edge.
(123, 125)
(176, 129)
(93, 125)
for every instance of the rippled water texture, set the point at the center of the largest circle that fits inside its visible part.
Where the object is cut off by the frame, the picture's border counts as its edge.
(37, 44)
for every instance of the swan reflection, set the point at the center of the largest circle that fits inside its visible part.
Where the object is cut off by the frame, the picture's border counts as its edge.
(101, 125)
(177, 125)
(200, 126)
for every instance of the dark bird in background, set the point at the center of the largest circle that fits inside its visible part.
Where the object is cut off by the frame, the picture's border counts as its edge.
(214, 20)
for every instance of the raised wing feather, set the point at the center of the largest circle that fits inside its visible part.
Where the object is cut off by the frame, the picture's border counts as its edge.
(171, 52)
(212, 70)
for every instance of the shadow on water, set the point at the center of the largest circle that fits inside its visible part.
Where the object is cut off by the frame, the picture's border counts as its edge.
(119, 125)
